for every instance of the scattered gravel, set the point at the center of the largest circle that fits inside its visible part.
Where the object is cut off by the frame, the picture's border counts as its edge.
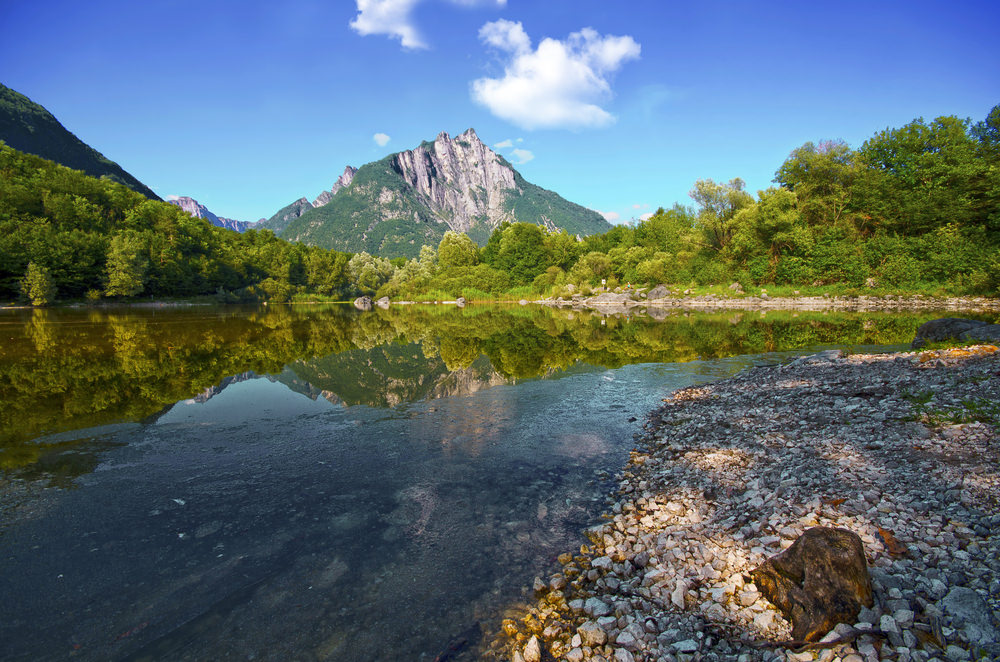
(902, 449)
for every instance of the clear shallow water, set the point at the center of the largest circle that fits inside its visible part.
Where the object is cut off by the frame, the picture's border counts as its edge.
(274, 518)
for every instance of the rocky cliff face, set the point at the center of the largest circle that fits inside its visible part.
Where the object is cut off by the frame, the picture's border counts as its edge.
(198, 210)
(342, 182)
(461, 180)
(393, 206)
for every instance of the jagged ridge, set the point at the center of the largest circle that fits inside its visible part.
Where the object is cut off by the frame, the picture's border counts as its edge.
(198, 210)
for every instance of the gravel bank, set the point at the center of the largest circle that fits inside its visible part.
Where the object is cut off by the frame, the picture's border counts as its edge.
(902, 449)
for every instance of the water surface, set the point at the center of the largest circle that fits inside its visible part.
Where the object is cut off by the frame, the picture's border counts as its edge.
(323, 484)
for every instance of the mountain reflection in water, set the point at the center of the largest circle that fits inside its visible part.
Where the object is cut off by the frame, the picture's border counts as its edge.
(318, 483)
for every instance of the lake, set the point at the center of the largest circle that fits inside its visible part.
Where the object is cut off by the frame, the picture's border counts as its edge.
(318, 483)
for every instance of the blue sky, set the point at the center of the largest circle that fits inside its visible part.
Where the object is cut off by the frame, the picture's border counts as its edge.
(249, 105)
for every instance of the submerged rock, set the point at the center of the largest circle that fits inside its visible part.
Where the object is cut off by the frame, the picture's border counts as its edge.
(818, 582)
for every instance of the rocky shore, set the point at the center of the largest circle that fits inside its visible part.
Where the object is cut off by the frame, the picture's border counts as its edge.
(661, 298)
(902, 449)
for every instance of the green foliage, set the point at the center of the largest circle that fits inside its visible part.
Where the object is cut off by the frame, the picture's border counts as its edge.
(93, 235)
(519, 250)
(718, 206)
(37, 286)
(457, 250)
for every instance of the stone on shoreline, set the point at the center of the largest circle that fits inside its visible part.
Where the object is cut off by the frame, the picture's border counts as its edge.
(818, 582)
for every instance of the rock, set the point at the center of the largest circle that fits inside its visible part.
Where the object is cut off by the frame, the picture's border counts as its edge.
(677, 595)
(970, 613)
(986, 333)
(533, 650)
(383, 303)
(658, 292)
(610, 297)
(363, 303)
(736, 287)
(596, 607)
(601, 563)
(946, 328)
(460, 302)
(622, 655)
(686, 646)
(592, 634)
(818, 582)
(574, 655)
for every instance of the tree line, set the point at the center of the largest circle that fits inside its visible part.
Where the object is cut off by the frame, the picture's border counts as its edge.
(916, 208)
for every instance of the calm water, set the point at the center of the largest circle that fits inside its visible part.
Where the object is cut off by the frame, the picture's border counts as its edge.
(323, 484)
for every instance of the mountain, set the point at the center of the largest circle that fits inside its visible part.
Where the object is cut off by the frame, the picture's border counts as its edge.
(198, 210)
(28, 127)
(394, 206)
(289, 213)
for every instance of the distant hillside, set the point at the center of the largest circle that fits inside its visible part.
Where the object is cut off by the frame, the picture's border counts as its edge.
(28, 127)
(198, 210)
(397, 204)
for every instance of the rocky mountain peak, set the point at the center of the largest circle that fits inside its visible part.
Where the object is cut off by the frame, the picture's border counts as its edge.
(460, 179)
(342, 182)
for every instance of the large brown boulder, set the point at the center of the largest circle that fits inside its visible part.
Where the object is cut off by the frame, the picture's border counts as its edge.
(818, 582)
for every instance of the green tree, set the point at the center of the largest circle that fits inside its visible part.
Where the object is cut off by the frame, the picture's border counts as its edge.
(457, 250)
(127, 265)
(37, 285)
(822, 178)
(921, 176)
(368, 272)
(718, 205)
(520, 252)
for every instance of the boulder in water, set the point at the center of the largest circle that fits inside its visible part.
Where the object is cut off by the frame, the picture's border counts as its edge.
(363, 303)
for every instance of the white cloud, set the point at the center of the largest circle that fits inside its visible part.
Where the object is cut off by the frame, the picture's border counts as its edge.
(172, 197)
(609, 216)
(503, 144)
(381, 139)
(393, 18)
(523, 155)
(645, 217)
(637, 206)
(388, 17)
(557, 85)
(506, 35)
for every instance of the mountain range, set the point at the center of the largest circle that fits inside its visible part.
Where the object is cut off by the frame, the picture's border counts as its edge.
(29, 127)
(198, 210)
(390, 207)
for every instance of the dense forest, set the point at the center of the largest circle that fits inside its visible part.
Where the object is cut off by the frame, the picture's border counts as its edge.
(915, 208)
